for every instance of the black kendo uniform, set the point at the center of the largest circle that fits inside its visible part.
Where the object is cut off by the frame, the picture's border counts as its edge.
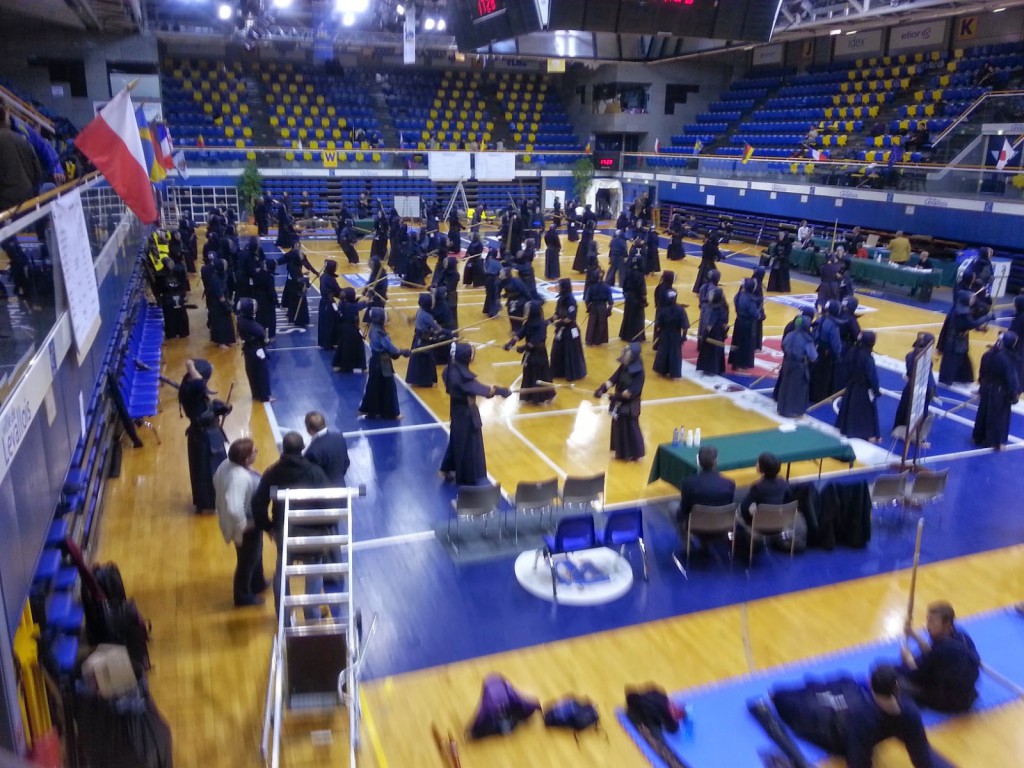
(189, 244)
(222, 327)
(954, 340)
(448, 278)
(464, 460)
(286, 234)
(536, 368)
(670, 326)
(627, 385)
(579, 263)
(572, 226)
(173, 289)
(652, 263)
(1000, 389)
(516, 298)
(618, 258)
(849, 332)
(254, 350)
(294, 297)
(350, 354)
(346, 239)
(473, 272)
(599, 308)
(380, 398)
(858, 409)
(567, 360)
(778, 273)
(245, 268)
(492, 274)
(552, 255)
(454, 231)
(829, 344)
(264, 291)
(515, 236)
(634, 291)
(523, 263)
(710, 356)
(422, 371)
(261, 213)
(794, 384)
(744, 333)
(327, 317)
(204, 437)
(676, 250)
(709, 255)
(417, 270)
(828, 290)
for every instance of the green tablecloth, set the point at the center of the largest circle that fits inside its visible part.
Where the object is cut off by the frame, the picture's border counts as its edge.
(865, 270)
(674, 463)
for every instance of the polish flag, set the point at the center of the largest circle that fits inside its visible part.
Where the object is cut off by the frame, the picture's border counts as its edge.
(111, 141)
(163, 146)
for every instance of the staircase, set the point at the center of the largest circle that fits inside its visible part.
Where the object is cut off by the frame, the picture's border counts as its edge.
(262, 133)
(385, 123)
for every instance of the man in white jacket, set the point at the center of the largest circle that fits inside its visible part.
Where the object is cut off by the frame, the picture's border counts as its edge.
(235, 482)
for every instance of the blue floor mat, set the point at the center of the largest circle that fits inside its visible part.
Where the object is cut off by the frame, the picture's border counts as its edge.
(725, 734)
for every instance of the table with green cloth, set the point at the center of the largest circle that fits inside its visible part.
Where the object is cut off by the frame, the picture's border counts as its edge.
(866, 270)
(674, 463)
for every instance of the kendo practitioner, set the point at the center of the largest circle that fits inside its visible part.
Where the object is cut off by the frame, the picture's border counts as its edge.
(652, 260)
(778, 273)
(829, 345)
(492, 273)
(327, 317)
(222, 327)
(380, 398)
(515, 234)
(379, 241)
(552, 253)
(556, 212)
(634, 291)
(464, 461)
(704, 302)
(858, 407)
(422, 371)
(286, 233)
(744, 332)
(261, 213)
(454, 231)
(954, 339)
(1000, 388)
(902, 418)
(572, 224)
(599, 308)
(516, 298)
(294, 296)
(666, 284)
(626, 385)
(254, 351)
(347, 239)
(829, 289)
(944, 675)
(533, 333)
(709, 256)
(622, 221)
(676, 251)
(670, 328)
(476, 219)
(350, 353)
(579, 264)
(245, 268)
(594, 272)
(711, 356)
(758, 278)
(1017, 326)
(847, 719)
(849, 332)
(567, 360)
(417, 271)
(448, 277)
(792, 393)
(264, 291)
(173, 295)
(523, 263)
(189, 243)
(618, 256)
(204, 436)
(473, 271)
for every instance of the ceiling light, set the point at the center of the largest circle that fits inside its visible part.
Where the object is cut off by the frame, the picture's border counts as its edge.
(998, 10)
(852, 32)
(440, 25)
(835, 32)
(224, 11)
(351, 6)
(282, 3)
(348, 19)
(428, 24)
(400, 9)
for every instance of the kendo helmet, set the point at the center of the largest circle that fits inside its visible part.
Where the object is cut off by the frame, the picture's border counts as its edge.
(377, 315)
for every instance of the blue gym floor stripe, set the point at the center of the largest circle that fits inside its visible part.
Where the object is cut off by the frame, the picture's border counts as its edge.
(724, 733)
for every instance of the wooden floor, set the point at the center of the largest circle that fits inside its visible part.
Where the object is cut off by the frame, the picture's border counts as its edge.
(210, 660)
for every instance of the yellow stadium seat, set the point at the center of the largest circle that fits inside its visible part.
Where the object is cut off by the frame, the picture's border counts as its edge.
(243, 109)
(293, 88)
(236, 120)
(308, 122)
(314, 145)
(302, 133)
(247, 132)
(331, 111)
(348, 145)
(360, 157)
(208, 108)
(289, 156)
(376, 157)
(229, 133)
(336, 134)
(274, 121)
(318, 133)
(239, 143)
(291, 122)
(332, 145)
(342, 122)
(307, 156)
(314, 110)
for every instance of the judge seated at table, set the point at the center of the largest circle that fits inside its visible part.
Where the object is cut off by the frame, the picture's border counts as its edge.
(708, 487)
(770, 489)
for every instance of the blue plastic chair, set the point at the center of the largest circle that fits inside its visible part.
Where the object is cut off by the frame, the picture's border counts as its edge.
(626, 526)
(574, 533)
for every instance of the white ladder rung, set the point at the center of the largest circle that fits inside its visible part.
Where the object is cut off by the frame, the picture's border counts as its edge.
(322, 598)
(314, 543)
(327, 628)
(304, 516)
(316, 569)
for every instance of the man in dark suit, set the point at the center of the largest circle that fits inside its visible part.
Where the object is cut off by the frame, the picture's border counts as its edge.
(707, 487)
(770, 489)
(328, 450)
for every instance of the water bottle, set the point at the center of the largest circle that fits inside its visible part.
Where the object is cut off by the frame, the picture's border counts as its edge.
(688, 721)
(689, 438)
(675, 437)
(696, 437)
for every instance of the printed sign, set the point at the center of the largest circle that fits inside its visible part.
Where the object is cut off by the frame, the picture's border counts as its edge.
(926, 35)
(860, 44)
(967, 28)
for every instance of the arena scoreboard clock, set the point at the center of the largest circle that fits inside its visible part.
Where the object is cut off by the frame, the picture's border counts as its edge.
(481, 10)
(607, 160)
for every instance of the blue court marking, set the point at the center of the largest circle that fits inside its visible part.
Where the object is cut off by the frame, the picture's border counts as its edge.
(724, 733)
(1004, 630)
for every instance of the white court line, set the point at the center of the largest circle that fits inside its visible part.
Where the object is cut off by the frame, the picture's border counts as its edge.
(275, 428)
(390, 541)
(292, 349)
(540, 454)
(394, 430)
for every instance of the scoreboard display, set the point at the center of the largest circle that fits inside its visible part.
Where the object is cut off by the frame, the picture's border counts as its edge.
(482, 10)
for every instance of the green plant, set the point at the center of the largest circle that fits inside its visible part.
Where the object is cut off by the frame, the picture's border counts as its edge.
(250, 187)
(582, 177)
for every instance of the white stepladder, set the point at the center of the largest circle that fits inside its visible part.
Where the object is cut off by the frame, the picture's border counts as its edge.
(315, 662)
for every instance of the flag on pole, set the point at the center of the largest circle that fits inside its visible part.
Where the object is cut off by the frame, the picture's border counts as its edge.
(819, 154)
(748, 152)
(156, 171)
(1004, 155)
(178, 158)
(409, 36)
(657, 146)
(698, 145)
(164, 146)
(112, 143)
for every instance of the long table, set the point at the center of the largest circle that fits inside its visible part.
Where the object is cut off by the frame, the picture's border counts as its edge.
(674, 463)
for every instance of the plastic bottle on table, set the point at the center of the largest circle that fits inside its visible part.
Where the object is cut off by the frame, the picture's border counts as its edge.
(696, 437)
(689, 438)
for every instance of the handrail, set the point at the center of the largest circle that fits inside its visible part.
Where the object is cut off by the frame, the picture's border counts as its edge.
(970, 109)
(26, 110)
(34, 202)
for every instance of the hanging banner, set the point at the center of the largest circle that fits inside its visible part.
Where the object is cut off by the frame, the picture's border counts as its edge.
(409, 38)
(768, 54)
(76, 263)
(860, 44)
(449, 166)
(927, 35)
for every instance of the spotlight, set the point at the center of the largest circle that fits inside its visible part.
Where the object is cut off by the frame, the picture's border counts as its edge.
(348, 19)
(224, 11)
(428, 24)
(440, 25)
(352, 6)
(282, 3)
(835, 32)
(400, 9)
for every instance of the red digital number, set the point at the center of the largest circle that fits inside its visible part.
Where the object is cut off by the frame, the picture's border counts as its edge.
(606, 162)
(678, 2)
(484, 7)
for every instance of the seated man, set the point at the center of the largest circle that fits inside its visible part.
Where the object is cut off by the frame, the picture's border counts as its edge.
(707, 487)
(845, 718)
(770, 489)
(944, 674)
